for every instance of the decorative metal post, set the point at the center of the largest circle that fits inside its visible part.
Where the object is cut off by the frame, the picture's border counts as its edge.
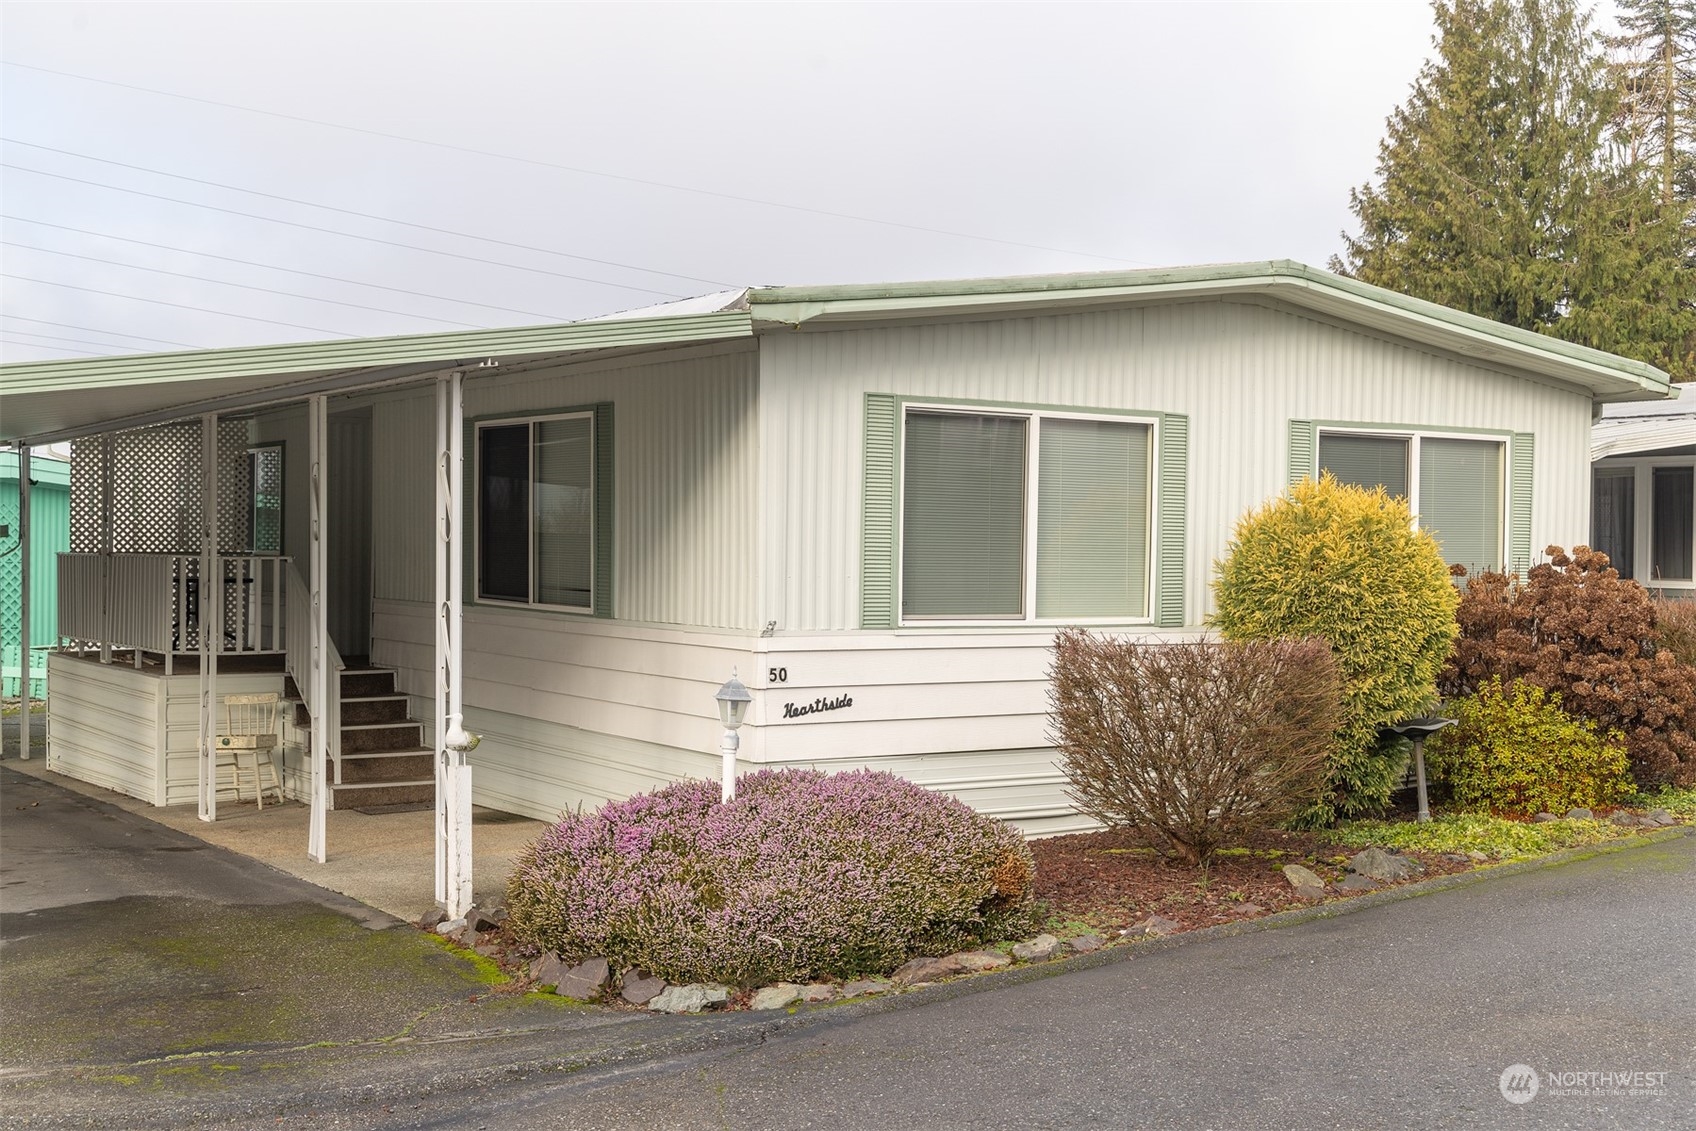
(23, 598)
(210, 627)
(453, 742)
(318, 458)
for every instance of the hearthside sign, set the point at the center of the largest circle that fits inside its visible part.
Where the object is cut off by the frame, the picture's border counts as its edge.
(800, 710)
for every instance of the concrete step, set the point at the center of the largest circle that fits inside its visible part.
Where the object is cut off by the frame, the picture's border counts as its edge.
(388, 766)
(347, 796)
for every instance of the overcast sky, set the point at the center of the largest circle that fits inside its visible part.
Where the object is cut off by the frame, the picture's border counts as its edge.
(582, 159)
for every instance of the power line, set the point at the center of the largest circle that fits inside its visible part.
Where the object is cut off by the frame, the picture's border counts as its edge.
(45, 346)
(243, 286)
(97, 330)
(288, 270)
(333, 232)
(365, 215)
(60, 338)
(577, 169)
(178, 305)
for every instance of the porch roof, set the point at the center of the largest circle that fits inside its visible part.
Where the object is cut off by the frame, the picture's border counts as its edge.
(41, 402)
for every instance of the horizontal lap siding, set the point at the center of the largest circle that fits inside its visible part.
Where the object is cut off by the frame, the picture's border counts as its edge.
(1239, 371)
(103, 725)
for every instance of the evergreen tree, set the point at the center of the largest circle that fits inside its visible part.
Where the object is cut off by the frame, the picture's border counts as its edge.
(1500, 191)
(1653, 60)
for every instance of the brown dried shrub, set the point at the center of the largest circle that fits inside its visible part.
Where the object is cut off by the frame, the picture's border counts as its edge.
(1675, 620)
(1574, 627)
(1193, 744)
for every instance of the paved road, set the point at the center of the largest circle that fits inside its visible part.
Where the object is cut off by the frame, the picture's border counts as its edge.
(1403, 1015)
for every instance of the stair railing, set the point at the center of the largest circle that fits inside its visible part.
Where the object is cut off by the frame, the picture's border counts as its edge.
(297, 639)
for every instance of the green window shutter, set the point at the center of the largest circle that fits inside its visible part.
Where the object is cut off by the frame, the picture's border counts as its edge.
(603, 510)
(1522, 458)
(1303, 451)
(1171, 514)
(877, 515)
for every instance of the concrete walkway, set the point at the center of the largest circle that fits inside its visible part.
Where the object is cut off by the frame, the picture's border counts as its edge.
(386, 861)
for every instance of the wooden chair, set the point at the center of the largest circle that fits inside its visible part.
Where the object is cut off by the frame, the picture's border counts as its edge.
(246, 743)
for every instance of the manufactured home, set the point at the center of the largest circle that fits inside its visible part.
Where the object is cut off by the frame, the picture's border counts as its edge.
(874, 503)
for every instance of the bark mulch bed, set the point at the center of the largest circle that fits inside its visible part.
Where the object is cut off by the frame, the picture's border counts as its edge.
(1109, 880)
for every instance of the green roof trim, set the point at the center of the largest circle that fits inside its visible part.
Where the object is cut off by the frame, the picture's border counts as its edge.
(1607, 375)
(467, 346)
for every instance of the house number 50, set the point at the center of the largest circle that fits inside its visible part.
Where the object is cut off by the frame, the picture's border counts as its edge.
(777, 675)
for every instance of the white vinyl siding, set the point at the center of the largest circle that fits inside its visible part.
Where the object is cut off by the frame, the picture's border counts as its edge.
(1454, 485)
(1012, 515)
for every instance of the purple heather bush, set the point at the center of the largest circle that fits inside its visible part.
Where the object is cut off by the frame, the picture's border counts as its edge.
(804, 875)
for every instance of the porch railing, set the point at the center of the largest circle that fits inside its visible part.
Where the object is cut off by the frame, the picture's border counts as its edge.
(298, 661)
(153, 603)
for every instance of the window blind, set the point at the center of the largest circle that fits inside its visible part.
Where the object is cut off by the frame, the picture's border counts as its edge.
(1092, 519)
(1613, 507)
(963, 516)
(1366, 461)
(1460, 500)
(564, 509)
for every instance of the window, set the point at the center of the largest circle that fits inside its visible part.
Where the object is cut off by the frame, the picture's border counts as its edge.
(1672, 523)
(1454, 485)
(536, 511)
(1613, 516)
(265, 502)
(1024, 516)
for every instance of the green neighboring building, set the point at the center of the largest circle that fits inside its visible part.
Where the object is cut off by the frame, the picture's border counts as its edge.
(50, 536)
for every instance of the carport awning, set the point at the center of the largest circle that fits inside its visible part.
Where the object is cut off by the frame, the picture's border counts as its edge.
(44, 402)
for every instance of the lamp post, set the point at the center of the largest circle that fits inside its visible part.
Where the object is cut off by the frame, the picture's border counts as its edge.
(733, 700)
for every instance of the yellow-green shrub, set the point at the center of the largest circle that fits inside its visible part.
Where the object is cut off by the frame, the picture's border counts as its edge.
(1515, 753)
(1347, 565)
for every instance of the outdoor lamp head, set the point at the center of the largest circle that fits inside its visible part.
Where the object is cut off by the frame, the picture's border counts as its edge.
(733, 700)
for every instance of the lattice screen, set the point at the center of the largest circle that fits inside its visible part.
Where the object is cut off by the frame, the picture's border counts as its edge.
(155, 474)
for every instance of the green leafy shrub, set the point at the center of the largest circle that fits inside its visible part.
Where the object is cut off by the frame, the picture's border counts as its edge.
(1675, 623)
(1514, 752)
(1574, 627)
(1346, 565)
(804, 875)
(1192, 744)
(1679, 801)
(1496, 837)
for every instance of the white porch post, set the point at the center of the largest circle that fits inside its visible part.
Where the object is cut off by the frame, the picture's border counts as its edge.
(453, 771)
(211, 616)
(23, 597)
(317, 446)
(107, 449)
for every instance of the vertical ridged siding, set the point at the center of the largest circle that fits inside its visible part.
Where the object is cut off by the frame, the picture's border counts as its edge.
(685, 450)
(1239, 370)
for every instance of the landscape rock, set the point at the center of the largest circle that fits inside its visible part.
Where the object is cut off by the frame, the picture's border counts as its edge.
(1357, 882)
(1541, 818)
(864, 988)
(1086, 944)
(432, 917)
(776, 997)
(486, 919)
(917, 970)
(1039, 949)
(448, 926)
(489, 950)
(1307, 883)
(1623, 819)
(977, 961)
(1456, 857)
(1580, 815)
(815, 992)
(1387, 867)
(1156, 926)
(547, 970)
(1247, 909)
(639, 987)
(585, 980)
(692, 998)
(470, 938)
(1476, 856)
(1661, 817)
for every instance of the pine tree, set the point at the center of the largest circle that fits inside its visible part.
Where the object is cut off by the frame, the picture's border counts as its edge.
(1654, 63)
(1500, 190)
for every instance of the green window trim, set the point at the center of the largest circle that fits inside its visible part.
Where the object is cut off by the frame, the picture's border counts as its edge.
(881, 490)
(601, 597)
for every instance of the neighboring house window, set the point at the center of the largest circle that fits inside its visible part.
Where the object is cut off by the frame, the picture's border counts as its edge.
(1024, 516)
(536, 511)
(1453, 484)
(1644, 514)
